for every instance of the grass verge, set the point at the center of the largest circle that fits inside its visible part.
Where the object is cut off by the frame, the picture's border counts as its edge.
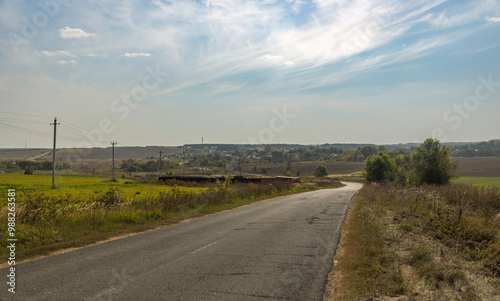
(428, 243)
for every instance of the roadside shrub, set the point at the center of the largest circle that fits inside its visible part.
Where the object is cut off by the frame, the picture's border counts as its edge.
(420, 255)
(431, 164)
(379, 168)
(111, 198)
(31, 207)
(321, 171)
(35, 207)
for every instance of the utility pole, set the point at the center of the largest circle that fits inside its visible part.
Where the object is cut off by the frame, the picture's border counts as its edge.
(184, 159)
(290, 161)
(54, 155)
(113, 152)
(159, 166)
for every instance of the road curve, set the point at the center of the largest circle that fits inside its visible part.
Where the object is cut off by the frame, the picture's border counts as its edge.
(281, 249)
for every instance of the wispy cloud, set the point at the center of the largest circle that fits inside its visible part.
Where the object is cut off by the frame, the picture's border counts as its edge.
(136, 54)
(493, 19)
(72, 33)
(96, 55)
(238, 52)
(66, 62)
(216, 39)
(58, 53)
(470, 12)
(277, 59)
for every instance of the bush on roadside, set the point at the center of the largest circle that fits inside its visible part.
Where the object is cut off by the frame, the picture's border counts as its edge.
(321, 171)
(379, 168)
(428, 164)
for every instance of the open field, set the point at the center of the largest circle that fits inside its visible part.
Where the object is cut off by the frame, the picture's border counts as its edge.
(478, 167)
(6, 155)
(83, 187)
(427, 243)
(479, 181)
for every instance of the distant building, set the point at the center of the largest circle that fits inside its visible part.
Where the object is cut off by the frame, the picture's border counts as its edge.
(2, 171)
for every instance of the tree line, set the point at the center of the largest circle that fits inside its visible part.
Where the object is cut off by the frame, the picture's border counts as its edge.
(13, 166)
(428, 164)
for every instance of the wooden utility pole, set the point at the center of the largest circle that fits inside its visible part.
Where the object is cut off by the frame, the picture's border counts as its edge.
(159, 166)
(113, 156)
(184, 159)
(54, 155)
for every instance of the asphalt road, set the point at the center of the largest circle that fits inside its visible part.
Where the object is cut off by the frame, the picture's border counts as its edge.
(281, 249)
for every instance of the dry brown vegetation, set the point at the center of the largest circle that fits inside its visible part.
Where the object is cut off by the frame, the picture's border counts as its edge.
(427, 243)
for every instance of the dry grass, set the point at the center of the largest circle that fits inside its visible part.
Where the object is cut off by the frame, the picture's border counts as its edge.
(364, 265)
(428, 243)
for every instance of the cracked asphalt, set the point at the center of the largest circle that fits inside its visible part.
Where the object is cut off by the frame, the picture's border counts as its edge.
(280, 249)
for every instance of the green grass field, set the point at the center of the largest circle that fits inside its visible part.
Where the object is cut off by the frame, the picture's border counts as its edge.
(479, 181)
(82, 187)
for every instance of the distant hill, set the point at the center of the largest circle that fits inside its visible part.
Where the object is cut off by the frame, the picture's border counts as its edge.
(480, 149)
(458, 149)
(74, 154)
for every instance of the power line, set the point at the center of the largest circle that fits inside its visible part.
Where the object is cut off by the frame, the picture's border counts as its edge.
(74, 126)
(21, 120)
(78, 131)
(40, 116)
(34, 132)
(24, 130)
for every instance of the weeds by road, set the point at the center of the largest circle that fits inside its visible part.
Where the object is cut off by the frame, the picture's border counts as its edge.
(428, 243)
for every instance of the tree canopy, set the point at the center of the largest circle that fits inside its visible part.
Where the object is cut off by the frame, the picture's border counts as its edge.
(430, 163)
(321, 171)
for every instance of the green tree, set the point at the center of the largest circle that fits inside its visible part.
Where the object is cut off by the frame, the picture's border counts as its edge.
(431, 164)
(347, 155)
(358, 156)
(379, 168)
(28, 172)
(368, 151)
(402, 169)
(320, 171)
